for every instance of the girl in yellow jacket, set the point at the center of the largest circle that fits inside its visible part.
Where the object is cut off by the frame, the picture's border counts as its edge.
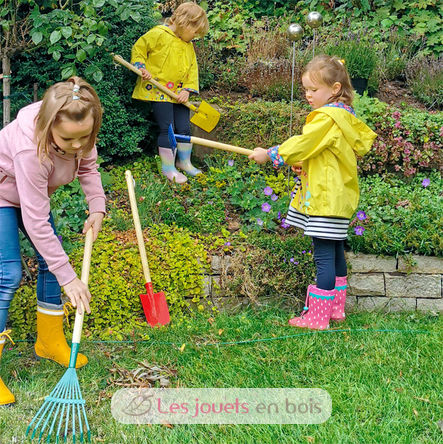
(328, 193)
(166, 54)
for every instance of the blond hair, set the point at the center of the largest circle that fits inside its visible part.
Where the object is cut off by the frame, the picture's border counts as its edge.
(190, 15)
(73, 100)
(329, 70)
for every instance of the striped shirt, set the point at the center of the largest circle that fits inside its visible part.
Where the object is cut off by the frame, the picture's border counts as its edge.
(334, 228)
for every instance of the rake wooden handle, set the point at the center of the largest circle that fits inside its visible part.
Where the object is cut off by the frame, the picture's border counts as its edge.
(158, 85)
(86, 265)
(221, 146)
(137, 224)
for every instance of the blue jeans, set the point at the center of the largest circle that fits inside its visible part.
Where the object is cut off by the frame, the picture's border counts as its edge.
(48, 289)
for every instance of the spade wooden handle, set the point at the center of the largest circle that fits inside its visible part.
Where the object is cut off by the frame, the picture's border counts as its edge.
(137, 224)
(158, 85)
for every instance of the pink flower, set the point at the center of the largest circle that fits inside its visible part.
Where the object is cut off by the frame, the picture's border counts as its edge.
(268, 191)
(397, 124)
(259, 222)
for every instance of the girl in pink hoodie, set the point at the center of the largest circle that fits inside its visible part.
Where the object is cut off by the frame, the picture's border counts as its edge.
(49, 144)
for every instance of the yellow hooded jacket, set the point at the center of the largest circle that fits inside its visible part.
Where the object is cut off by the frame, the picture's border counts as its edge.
(328, 145)
(169, 59)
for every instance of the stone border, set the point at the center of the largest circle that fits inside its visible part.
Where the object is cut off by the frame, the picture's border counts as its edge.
(392, 284)
(375, 283)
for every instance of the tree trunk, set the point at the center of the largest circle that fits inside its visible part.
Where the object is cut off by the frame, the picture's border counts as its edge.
(6, 66)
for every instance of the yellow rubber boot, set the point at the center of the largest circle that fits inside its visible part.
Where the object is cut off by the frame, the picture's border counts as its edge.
(6, 397)
(51, 342)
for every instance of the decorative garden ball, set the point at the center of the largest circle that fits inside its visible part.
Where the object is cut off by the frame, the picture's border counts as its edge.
(314, 19)
(295, 32)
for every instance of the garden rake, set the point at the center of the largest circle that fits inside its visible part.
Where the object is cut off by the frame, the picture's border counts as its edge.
(205, 116)
(65, 405)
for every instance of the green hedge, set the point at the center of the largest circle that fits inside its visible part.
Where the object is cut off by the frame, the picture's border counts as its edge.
(127, 125)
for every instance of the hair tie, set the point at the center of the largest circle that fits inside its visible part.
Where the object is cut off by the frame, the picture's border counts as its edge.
(342, 61)
(75, 88)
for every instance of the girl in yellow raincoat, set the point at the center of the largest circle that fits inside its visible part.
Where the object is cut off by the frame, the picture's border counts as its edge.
(328, 192)
(166, 54)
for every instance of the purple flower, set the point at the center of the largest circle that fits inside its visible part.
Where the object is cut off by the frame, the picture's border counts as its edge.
(426, 182)
(268, 191)
(231, 162)
(60, 238)
(284, 224)
(361, 215)
(292, 195)
(292, 259)
(279, 215)
(227, 244)
(359, 230)
(265, 207)
(296, 263)
(304, 251)
(259, 222)
(274, 197)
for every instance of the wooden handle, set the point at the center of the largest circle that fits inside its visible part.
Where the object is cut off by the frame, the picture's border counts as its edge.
(78, 324)
(158, 85)
(221, 146)
(138, 227)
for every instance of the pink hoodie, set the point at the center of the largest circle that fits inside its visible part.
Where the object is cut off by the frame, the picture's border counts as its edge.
(27, 183)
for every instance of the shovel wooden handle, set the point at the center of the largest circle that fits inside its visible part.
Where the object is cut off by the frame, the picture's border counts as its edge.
(158, 85)
(138, 227)
(221, 146)
(86, 264)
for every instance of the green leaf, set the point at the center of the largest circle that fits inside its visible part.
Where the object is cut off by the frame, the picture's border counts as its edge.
(125, 14)
(55, 37)
(81, 55)
(98, 3)
(56, 55)
(91, 38)
(68, 71)
(67, 32)
(37, 37)
(98, 75)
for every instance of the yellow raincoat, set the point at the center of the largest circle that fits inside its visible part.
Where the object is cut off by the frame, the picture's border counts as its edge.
(169, 59)
(328, 145)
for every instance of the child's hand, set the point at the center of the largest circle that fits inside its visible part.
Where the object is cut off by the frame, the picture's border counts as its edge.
(146, 75)
(78, 294)
(95, 221)
(297, 168)
(183, 96)
(260, 155)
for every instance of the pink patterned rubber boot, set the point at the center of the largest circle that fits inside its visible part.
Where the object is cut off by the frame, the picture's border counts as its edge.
(317, 310)
(338, 307)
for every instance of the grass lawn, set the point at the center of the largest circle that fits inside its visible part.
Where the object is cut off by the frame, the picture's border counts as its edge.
(386, 386)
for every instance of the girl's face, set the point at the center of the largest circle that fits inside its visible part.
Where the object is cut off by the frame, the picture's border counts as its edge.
(317, 93)
(71, 136)
(187, 34)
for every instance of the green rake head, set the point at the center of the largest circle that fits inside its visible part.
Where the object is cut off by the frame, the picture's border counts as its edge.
(62, 414)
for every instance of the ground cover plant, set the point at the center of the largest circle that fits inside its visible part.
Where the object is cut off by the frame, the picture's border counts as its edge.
(382, 372)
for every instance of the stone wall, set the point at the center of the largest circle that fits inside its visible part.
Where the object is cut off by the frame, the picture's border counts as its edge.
(391, 284)
(375, 283)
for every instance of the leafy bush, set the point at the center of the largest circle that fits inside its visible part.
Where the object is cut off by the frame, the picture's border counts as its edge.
(408, 140)
(177, 261)
(425, 78)
(399, 217)
(127, 126)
